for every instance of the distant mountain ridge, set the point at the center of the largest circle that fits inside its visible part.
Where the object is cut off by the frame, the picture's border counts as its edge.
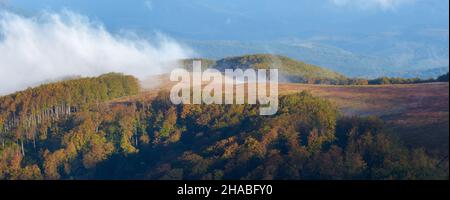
(404, 60)
(424, 73)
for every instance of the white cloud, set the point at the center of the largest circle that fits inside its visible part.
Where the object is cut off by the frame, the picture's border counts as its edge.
(55, 45)
(372, 4)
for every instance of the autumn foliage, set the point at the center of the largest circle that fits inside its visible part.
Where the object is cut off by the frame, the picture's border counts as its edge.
(82, 134)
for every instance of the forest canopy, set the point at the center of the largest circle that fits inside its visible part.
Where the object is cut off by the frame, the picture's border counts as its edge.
(72, 130)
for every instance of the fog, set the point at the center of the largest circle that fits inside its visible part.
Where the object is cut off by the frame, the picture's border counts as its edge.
(50, 46)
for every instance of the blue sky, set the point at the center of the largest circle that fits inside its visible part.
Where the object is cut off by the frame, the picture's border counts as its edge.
(254, 19)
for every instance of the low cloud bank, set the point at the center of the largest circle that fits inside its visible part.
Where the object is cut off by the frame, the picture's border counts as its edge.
(55, 45)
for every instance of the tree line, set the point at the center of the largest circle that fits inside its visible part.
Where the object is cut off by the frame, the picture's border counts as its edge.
(376, 81)
(27, 115)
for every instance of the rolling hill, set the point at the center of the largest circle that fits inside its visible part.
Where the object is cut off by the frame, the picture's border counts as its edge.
(290, 70)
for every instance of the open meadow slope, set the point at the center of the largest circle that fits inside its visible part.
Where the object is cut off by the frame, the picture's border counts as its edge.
(417, 113)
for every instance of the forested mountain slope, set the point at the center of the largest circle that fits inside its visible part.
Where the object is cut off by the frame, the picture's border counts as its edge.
(151, 138)
(28, 115)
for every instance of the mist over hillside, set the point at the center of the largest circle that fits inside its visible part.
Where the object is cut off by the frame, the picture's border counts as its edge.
(54, 45)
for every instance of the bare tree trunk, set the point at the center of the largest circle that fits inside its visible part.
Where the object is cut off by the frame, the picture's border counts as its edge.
(136, 139)
(23, 150)
(34, 140)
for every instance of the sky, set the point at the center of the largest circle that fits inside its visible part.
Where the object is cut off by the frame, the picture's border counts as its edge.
(252, 19)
